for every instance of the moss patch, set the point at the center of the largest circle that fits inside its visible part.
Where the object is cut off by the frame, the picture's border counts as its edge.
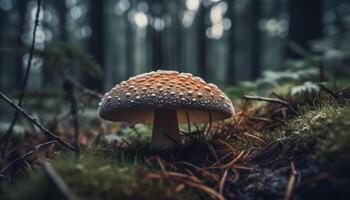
(96, 178)
(320, 132)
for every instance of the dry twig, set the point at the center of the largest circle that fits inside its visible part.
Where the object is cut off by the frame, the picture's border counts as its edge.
(291, 182)
(254, 137)
(204, 188)
(85, 90)
(24, 156)
(222, 182)
(232, 149)
(161, 164)
(230, 164)
(5, 139)
(331, 92)
(272, 100)
(48, 133)
(58, 182)
(212, 151)
(204, 173)
(188, 180)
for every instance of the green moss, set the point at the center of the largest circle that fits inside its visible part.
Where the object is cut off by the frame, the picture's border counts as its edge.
(98, 178)
(320, 133)
(335, 149)
(236, 92)
(282, 90)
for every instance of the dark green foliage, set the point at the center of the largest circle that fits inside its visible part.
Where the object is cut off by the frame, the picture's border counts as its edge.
(66, 59)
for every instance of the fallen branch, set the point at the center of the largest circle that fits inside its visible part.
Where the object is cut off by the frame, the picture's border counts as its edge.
(291, 182)
(5, 139)
(272, 100)
(58, 182)
(48, 133)
(24, 156)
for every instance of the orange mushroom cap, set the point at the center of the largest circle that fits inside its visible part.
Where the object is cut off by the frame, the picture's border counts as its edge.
(136, 99)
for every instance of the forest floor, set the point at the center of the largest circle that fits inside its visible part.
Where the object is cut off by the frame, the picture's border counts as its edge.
(283, 147)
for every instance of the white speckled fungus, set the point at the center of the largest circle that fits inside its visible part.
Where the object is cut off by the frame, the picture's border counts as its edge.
(164, 98)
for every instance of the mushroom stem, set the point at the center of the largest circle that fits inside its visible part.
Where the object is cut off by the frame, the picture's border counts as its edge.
(165, 129)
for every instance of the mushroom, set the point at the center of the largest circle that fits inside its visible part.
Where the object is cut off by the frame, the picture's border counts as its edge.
(165, 98)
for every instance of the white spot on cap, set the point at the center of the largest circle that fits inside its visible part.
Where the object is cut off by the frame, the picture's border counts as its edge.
(198, 79)
(213, 85)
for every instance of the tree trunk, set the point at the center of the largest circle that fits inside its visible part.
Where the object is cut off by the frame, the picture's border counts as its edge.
(157, 50)
(3, 68)
(96, 42)
(22, 8)
(230, 76)
(256, 40)
(129, 47)
(202, 42)
(305, 24)
(49, 76)
(178, 43)
(175, 35)
(62, 13)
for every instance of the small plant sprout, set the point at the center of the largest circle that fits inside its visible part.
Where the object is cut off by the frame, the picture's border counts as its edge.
(165, 98)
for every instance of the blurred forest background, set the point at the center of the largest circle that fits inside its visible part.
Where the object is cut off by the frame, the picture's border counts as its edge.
(101, 43)
(284, 64)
